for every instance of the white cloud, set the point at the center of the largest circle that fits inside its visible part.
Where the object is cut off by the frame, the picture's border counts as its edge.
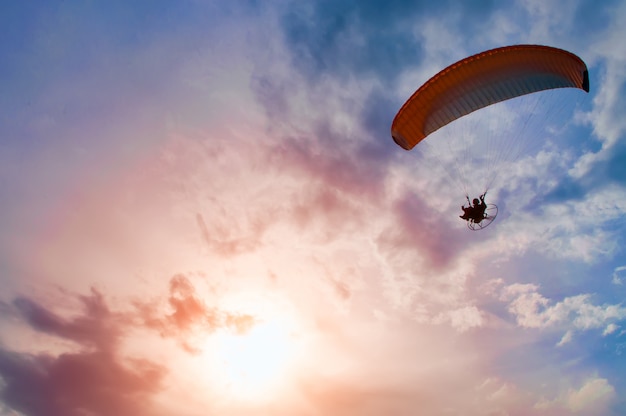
(567, 337)
(572, 230)
(607, 114)
(619, 274)
(533, 310)
(592, 398)
(461, 319)
(610, 328)
(547, 18)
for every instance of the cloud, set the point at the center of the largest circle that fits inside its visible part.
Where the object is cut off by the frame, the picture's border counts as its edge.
(224, 243)
(592, 398)
(95, 376)
(96, 379)
(78, 384)
(373, 37)
(567, 337)
(333, 155)
(339, 39)
(605, 166)
(532, 310)
(187, 314)
(610, 328)
(97, 327)
(461, 319)
(618, 278)
(586, 230)
(268, 153)
(416, 229)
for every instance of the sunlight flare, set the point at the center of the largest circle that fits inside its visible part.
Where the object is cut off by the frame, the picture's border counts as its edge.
(251, 364)
(255, 361)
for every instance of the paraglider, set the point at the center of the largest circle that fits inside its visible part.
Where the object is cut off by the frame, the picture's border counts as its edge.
(479, 81)
(478, 214)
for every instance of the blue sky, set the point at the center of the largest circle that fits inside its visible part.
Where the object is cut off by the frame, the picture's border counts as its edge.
(203, 212)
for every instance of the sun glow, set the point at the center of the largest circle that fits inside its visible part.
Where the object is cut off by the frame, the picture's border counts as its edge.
(256, 361)
(252, 365)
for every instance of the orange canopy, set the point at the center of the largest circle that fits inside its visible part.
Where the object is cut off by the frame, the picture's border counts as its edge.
(481, 80)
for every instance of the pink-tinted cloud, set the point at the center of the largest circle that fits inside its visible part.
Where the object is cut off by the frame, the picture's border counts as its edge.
(224, 244)
(95, 379)
(98, 327)
(418, 228)
(332, 159)
(78, 384)
(187, 313)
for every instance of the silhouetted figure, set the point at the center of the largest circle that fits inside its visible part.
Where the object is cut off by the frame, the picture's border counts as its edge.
(474, 213)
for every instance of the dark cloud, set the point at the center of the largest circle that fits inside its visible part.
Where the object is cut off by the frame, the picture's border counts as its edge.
(341, 181)
(352, 40)
(608, 170)
(79, 384)
(580, 141)
(568, 189)
(335, 161)
(93, 381)
(419, 229)
(344, 38)
(615, 168)
(369, 37)
(96, 379)
(379, 109)
(591, 17)
(97, 327)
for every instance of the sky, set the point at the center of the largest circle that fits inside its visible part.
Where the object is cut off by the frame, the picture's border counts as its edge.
(203, 212)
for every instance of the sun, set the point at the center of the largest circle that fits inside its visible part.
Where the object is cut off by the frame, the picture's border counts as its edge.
(256, 361)
(254, 364)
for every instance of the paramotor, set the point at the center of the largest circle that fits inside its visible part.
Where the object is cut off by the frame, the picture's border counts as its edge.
(479, 81)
